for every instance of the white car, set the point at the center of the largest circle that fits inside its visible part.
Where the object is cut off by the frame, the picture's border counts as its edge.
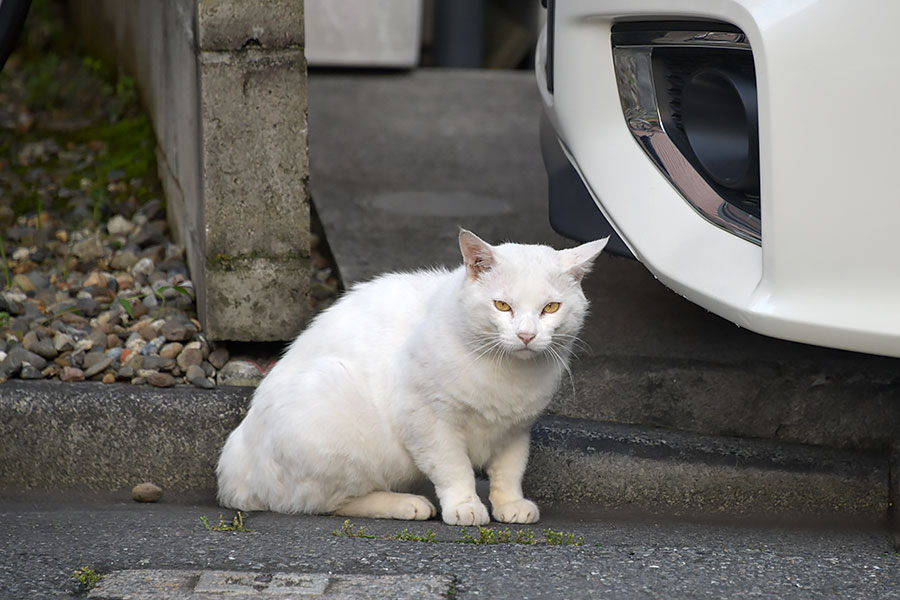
(747, 152)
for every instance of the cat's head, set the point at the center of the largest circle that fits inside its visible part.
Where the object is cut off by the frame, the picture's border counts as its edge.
(524, 300)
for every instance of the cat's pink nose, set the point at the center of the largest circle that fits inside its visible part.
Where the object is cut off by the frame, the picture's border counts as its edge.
(526, 337)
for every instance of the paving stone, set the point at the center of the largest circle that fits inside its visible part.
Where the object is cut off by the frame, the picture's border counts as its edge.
(187, 584)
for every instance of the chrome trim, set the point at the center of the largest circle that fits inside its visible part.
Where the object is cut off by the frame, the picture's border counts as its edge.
(634, 77)
(714, 39)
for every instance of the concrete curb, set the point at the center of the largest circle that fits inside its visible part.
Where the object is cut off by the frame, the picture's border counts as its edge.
(626, 467)
(106, 437)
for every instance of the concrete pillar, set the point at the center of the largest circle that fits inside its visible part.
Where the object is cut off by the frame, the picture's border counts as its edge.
(224, 82)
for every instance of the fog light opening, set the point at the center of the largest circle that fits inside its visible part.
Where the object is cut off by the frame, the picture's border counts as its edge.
(720, 123)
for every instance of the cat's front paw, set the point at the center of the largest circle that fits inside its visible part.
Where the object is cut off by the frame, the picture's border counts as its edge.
(517, 511)
(466, 513)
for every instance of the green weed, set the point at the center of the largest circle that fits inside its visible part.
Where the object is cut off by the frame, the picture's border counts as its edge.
(348, 530)
(408, 536)
(560, 538)
(87, 577)
(237, 524)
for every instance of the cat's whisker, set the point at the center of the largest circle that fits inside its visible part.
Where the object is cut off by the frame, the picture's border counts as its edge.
(574, 341)
(554, 351)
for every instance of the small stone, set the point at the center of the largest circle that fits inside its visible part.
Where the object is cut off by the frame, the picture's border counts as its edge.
(175, 331)
(143, 267)
(160, 380)
(189, 357)
(208, 369)
(239, 372)
(201, 382)
(124, 260)
(113, 341)
(135, 361)
(13, 301)
(29, 372)
(125, 281)
(88, 307)
(50, 371)
(153, 346)
(171, 350)
(109, 378)
(71, 374)
(119, 225)
(40, 345)
(146, 492)
(98, 339)
(18, 355)
(150, 301)
(95, 278)
(125, 373)
(38, 280)
(96, 366)
(63, 342)
(218, 357)
(147, 331)
(88, 249)
(22, 282)
(135, 342)
(138, 380)
(158, 363)
(73, 319)
(193, 372)
(139, 309)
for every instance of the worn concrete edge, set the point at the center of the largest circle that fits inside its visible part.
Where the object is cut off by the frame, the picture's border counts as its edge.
(93, 436)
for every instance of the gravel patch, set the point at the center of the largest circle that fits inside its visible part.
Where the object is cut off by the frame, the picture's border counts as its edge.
(93, 287)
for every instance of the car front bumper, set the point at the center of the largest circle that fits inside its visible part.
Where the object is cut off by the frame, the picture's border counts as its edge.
(826, 269)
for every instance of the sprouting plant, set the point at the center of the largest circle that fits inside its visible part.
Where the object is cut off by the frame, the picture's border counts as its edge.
(349, 530)
(525, 536)
(237, 524)
(486, 535)
(408, 536)
(40, 212)
(87, 577)
(128, 303)
(4, 318)
(5, 263)
(559, 538)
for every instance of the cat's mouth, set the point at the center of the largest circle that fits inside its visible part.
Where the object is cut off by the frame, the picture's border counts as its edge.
(526, 352)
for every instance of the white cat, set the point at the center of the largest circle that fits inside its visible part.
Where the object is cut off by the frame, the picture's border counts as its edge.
(415, 375)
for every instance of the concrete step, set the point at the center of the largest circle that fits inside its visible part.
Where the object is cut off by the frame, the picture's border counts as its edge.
(92, 436)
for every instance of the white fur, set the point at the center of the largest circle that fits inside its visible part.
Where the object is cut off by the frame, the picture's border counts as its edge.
(414, 376)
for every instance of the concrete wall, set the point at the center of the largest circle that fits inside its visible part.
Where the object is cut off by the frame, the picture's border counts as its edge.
(224, 82)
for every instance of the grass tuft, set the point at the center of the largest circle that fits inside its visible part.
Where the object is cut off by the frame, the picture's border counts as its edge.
(237, 524)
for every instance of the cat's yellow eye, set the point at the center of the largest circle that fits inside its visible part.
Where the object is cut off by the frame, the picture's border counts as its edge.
(502, 306)
(551, 307)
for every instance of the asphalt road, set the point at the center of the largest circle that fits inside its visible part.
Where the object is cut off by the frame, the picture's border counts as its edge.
(45, 537)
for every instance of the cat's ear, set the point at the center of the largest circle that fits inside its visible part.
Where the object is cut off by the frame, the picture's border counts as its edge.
(579, 260)
(477, 254)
